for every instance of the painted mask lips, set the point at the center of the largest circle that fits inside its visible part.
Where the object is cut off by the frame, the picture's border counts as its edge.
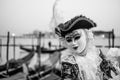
(75, 48)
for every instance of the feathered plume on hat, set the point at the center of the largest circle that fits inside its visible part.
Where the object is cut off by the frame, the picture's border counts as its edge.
(78, 22)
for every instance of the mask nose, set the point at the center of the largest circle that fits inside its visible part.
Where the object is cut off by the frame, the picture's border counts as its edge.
(74, 42)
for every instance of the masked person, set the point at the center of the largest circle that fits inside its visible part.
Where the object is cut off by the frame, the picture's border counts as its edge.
(80, 61)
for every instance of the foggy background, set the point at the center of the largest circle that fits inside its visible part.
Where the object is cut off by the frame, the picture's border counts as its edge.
(25, 16)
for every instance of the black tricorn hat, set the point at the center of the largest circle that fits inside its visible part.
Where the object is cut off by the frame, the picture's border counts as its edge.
(78, 22)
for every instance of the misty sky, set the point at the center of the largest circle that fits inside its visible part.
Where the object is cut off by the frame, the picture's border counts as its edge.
(25, 16)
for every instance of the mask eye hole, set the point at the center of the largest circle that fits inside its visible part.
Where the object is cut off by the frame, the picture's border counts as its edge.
(68, 39)
(77, 37)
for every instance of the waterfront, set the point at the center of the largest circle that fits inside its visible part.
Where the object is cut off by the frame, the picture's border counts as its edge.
(28, 42)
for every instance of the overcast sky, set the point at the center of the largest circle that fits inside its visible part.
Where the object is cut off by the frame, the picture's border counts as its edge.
(25, 16)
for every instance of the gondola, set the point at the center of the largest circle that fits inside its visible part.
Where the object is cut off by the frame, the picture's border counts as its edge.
(43, 50)
(48, 74)
(14, 66)
(44, 70)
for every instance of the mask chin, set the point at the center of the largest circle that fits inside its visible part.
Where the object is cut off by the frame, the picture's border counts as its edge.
(81, 51)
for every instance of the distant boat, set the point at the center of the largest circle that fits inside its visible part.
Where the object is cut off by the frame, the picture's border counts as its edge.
(43, 50)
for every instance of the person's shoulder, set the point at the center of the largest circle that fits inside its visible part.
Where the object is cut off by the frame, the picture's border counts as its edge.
(65, 53)
(66, 56)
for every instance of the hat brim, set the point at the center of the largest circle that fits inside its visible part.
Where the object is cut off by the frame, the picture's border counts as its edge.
(77, 23)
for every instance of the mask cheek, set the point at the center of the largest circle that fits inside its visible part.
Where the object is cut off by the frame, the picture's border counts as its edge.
(82, 45)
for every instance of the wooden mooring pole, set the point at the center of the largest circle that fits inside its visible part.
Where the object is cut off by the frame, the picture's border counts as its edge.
(7, 54)
(39, 52)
